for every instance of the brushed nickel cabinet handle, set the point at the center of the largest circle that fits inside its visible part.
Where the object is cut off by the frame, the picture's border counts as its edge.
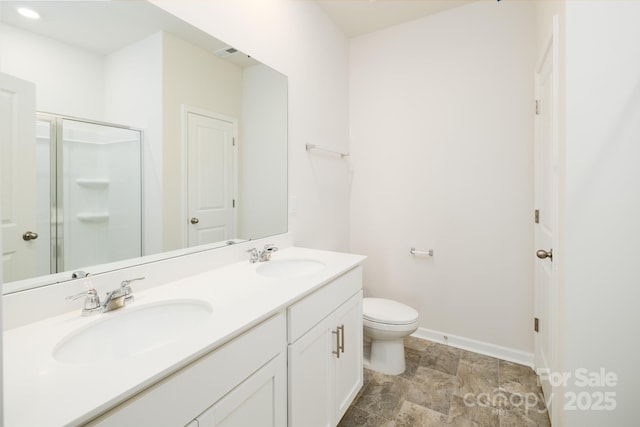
(337, 351)
(341, 346)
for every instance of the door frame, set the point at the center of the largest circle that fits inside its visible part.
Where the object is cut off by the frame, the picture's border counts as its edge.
(551, 52)
(185, 111)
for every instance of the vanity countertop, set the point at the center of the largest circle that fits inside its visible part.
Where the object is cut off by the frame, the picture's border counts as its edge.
(39, 390)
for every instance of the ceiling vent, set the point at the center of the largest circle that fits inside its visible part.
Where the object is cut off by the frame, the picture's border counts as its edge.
(225, 51)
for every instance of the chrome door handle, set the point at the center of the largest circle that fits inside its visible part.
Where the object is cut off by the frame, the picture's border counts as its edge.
(194, 220)
(29, 235)
(542, 254)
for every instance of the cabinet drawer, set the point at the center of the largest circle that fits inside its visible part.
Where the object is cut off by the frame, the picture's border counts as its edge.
(205, 381)
(304, 314)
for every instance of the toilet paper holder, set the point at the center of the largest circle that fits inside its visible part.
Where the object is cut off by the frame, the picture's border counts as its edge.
(414, 251)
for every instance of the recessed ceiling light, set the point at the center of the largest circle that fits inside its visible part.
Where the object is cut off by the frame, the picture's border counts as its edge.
(28, 13)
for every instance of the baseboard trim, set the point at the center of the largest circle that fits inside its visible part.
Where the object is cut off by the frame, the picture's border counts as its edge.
(504, 353)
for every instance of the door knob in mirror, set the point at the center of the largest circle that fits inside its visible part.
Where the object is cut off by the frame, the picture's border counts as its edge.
(542, 254)
(29, 235)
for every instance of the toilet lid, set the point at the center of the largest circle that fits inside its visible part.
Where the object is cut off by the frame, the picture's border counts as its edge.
(388, 311)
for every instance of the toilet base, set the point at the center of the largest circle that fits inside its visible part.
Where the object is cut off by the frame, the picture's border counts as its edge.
(386, 356)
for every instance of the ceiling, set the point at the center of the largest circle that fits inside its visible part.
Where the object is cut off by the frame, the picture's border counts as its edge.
(108, 26)
(357, 17)
(103, 27)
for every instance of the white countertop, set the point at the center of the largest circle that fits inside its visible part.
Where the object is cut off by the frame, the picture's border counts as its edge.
(40, 391)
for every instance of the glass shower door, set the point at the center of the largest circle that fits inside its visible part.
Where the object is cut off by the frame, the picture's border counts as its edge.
(99, 178)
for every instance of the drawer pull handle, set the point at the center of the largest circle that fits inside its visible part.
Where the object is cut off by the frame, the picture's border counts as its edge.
(337, 351)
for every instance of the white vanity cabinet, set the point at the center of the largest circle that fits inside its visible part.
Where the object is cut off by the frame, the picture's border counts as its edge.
(258, 401)
(241, 383)
(325, 352)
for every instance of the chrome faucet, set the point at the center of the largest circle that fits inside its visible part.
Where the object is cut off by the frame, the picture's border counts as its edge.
(253, 255)
(114, 300)
(91, 302)
(125, 286)
(263, 255)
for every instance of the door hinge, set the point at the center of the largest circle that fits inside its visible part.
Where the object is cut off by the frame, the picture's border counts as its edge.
(233, 141)
(536, 216)
(233, 203)
(537, 107)
(536, 324)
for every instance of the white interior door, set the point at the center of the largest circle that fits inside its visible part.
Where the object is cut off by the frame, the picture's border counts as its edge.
(546, 216)
(18, 178)
(210, 179)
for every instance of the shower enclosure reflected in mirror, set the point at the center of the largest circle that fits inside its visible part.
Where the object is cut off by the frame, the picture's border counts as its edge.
(88, 194)
(210, 115)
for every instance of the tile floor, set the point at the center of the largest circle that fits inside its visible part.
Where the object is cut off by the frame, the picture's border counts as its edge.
(446, 386)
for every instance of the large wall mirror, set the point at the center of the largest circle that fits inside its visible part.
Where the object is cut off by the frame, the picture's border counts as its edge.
(129, 135)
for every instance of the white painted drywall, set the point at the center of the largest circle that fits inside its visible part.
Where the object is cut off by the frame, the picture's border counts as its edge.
(133, 96)
(600, 313)
(299, 40)
(70, 83)
(1, 351)
(197, 78)
(263, 153)
(442, 150)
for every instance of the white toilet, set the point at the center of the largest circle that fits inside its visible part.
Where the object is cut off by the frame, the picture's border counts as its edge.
(386, 324)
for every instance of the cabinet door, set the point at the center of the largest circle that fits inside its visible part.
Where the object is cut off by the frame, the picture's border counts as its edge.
(259, 401)
(310, 378)
(348, 367)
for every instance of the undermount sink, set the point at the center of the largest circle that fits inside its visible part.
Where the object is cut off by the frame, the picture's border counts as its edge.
(130, 331)
(285, 268)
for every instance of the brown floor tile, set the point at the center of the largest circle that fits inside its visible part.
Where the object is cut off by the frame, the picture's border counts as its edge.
(441, 358)
(416, 344)
(412, 415)
(517, 378)
(382, 395)
(432, 389)
(476, 381)
(445, 386)
(464, 413)
(356, 417)
(412, 361)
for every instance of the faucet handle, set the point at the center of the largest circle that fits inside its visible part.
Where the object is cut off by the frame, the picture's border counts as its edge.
(269, 248)
(91, 302)
(126, 282)
(126, 288)
(254, 255)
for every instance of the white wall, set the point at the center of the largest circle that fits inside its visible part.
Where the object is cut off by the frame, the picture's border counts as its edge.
(195, 77)
(601, 289)
(69, 80)
(442, 151)
(137, 70)
(1, 351)
(297, 39)
(263, 153)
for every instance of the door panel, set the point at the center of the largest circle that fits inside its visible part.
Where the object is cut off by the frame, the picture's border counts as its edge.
(17, 178)
(210, 180)
(546, 203)
(259, 401)
(310, 378)
(348, 368)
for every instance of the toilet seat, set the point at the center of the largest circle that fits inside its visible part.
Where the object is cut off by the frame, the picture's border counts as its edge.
(381, 311)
